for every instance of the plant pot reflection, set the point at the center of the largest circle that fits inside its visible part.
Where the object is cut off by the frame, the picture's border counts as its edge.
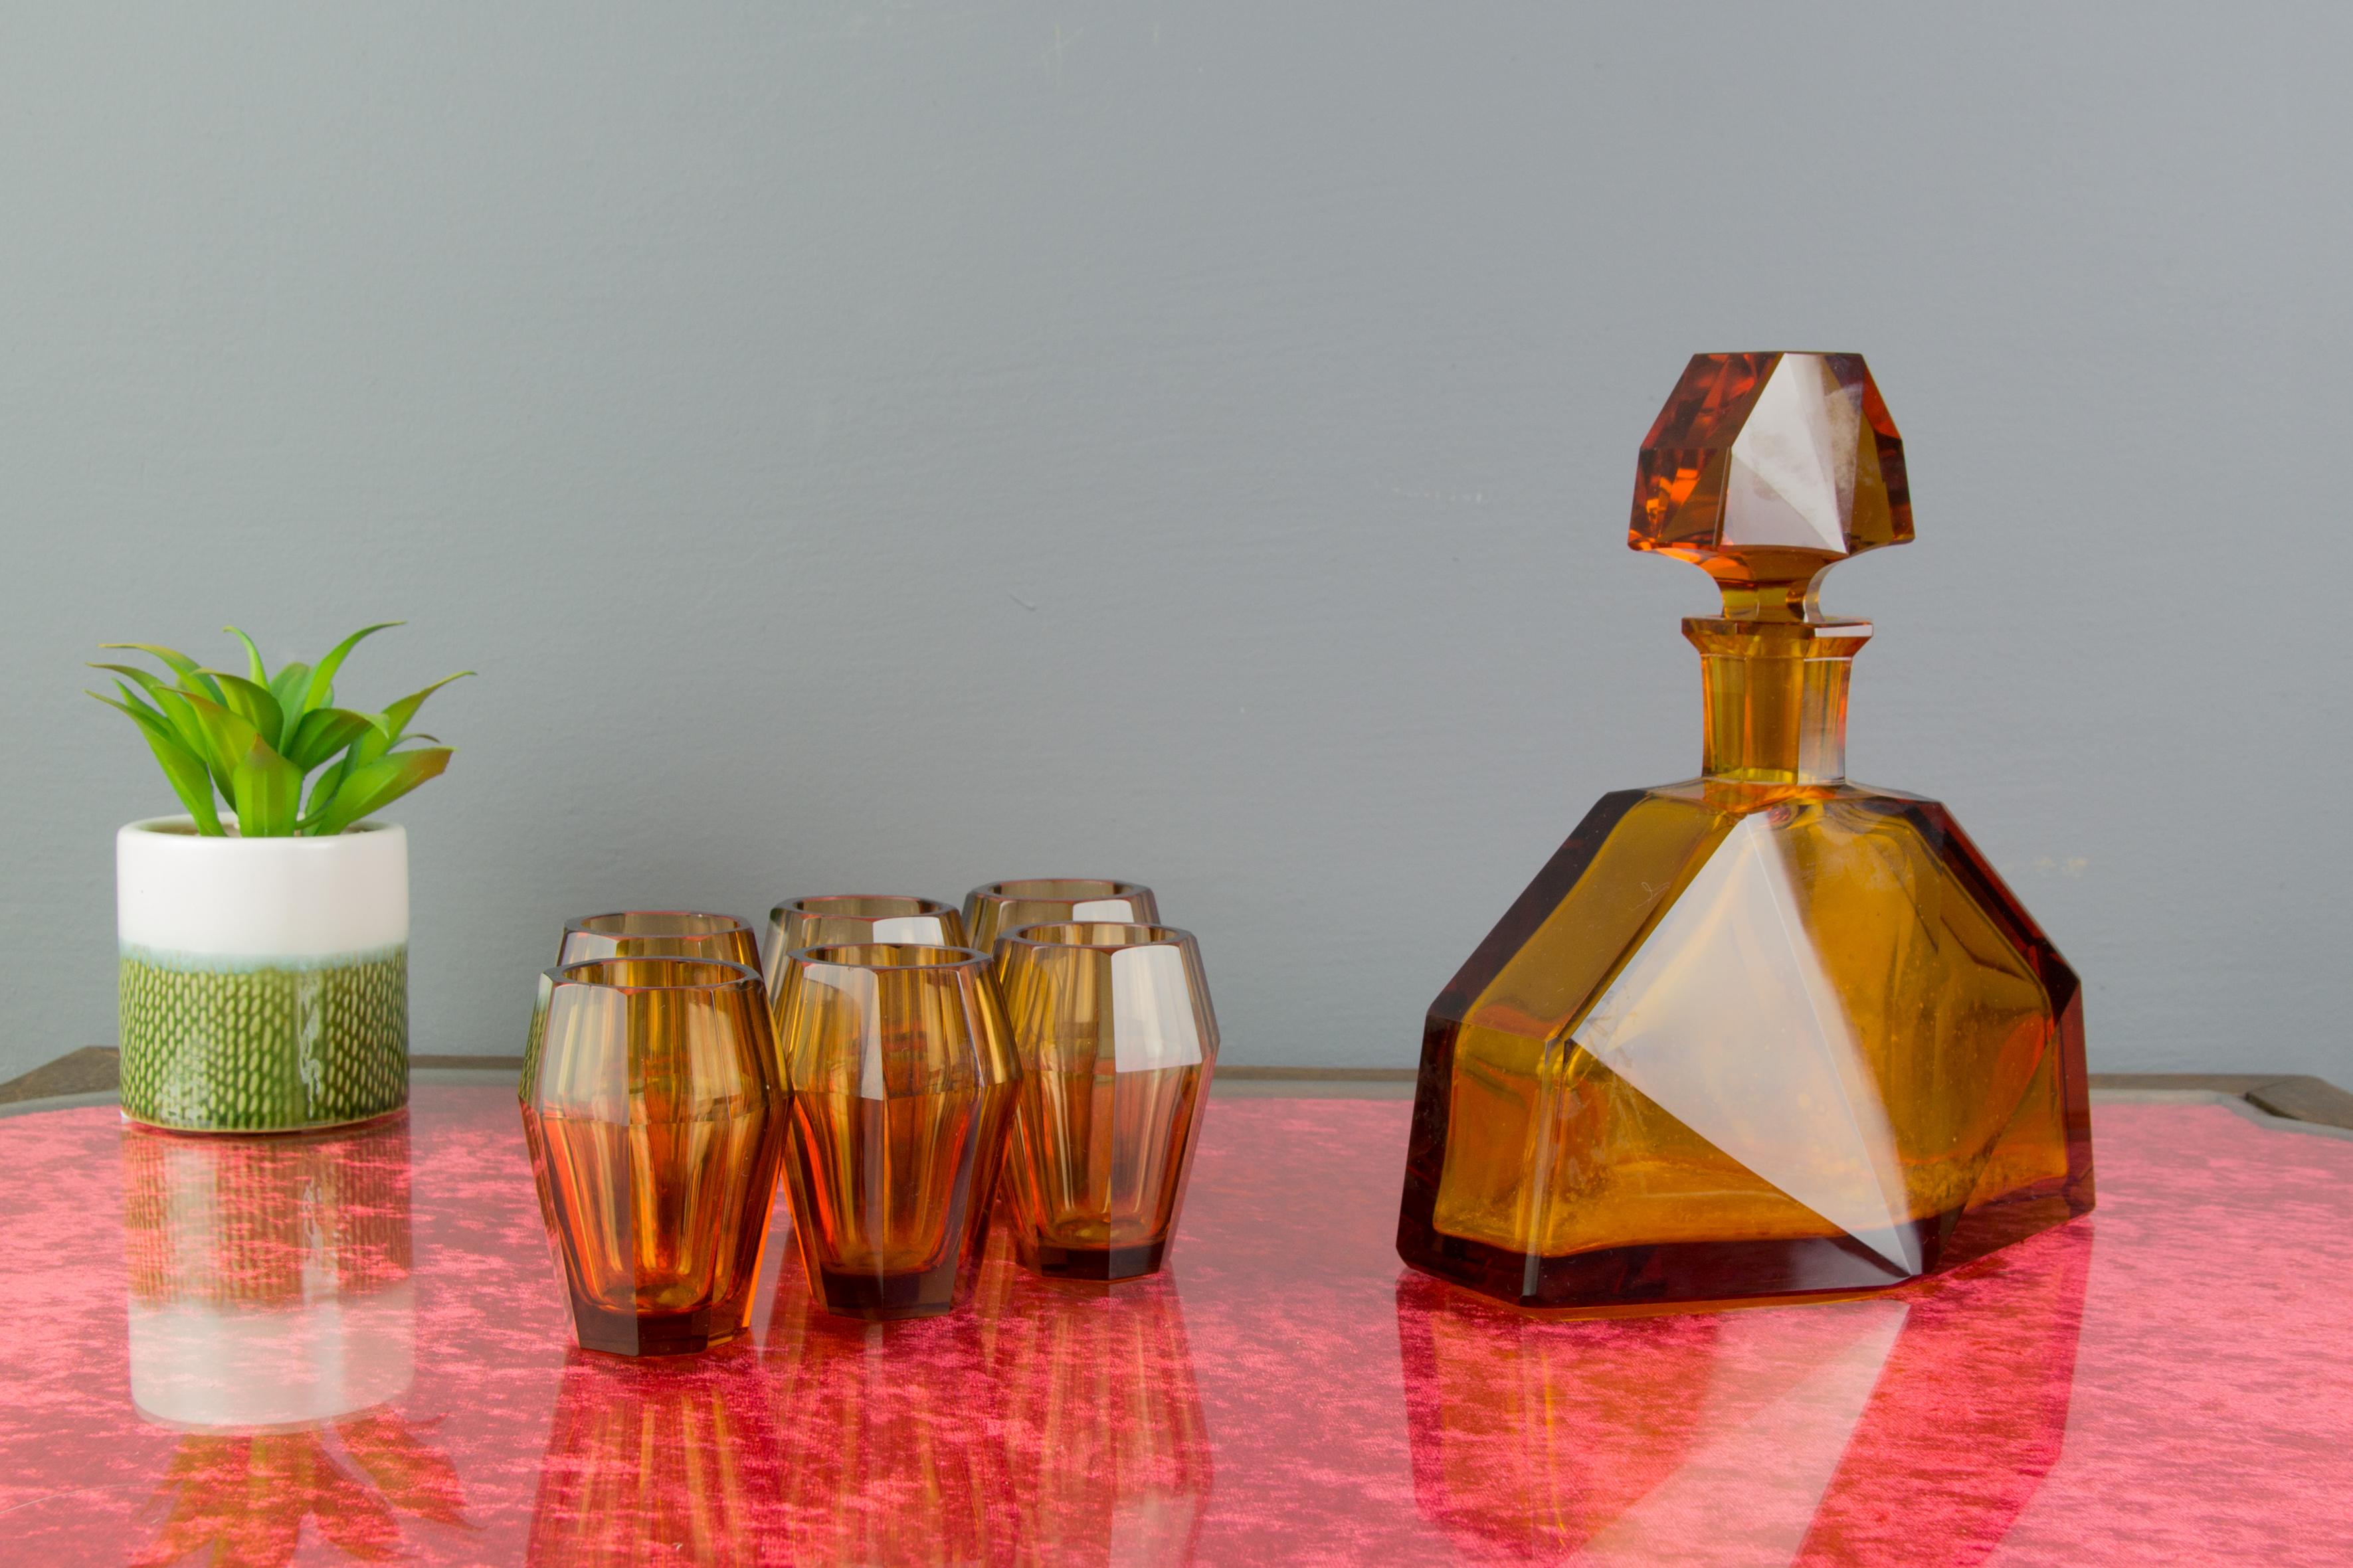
(1908, 1430)
(268, 1277)
(660, 1462)
(273, 1321)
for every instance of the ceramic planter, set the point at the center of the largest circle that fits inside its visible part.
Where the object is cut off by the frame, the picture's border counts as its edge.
(265, 981)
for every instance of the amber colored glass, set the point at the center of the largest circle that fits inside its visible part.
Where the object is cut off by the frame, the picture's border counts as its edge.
(659, 933)
(655, 1118)
(1767, 469)
(1765, 1032)
(840, 919)
(1117, 1043)
(902, 1074)
(999, 908)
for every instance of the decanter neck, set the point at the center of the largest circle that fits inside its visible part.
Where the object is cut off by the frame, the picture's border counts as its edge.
(1775, 697)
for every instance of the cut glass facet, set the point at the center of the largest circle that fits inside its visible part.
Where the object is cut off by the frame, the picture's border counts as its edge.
(1766, 468)
(1765, 1032)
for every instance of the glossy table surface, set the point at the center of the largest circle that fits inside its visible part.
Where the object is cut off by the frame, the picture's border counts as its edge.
(354, 1350)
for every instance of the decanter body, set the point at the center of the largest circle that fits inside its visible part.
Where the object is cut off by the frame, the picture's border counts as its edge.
(1765, 1032)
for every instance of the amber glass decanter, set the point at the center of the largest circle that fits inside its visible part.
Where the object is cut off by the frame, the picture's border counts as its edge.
(1766, 1032)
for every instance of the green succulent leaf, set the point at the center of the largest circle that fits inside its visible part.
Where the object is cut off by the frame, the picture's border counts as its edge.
(323, 678)
(322, 734)
(365, 748)
(253, 740)
(171, 701)
(147, 678)
(251, 702)
(182, 769)
(377, 785)
(191, 675)
(226, 736)
(394, 720)
(291, 687)
(257, 671)
(144, 712)
(267, 792)
(174, 704)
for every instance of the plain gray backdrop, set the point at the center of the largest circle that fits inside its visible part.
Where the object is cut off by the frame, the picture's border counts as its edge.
(889, 447)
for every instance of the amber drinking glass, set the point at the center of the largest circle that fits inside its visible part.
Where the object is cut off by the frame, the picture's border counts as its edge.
(1117, 1042)
(901, 1076)
(655, 1117)
(659, 933)
(999, 908)
(839, 920)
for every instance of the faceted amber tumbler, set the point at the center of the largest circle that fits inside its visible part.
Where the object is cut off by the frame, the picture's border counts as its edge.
(849, 920)
(1117, 1042)
(658, 933)
(999, 908)
(656, 1121)
(901, 1076)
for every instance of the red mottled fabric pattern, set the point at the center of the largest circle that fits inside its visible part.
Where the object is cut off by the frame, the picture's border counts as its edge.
(2168, 1381)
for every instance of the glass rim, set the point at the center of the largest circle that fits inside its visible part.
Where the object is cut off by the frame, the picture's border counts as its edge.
(723, 924)
(732, 973)
(800, 907)
(1159, 936)
(1101, 887)
(959, 957)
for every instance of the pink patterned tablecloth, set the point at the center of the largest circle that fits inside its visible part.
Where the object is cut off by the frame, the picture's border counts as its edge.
(357, 1353)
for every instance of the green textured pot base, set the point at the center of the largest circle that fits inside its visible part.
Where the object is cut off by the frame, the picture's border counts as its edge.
(264, 1049)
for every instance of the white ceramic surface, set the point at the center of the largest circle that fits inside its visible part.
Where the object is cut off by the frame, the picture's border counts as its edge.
(248, 899)
(198, 1364)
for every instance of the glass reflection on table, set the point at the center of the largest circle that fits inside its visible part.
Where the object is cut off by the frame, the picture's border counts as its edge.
(1910, 1428)
(272, 1322)
(665, 1459)
(1105, 1451)
(1051, 1422)
(890, 1450)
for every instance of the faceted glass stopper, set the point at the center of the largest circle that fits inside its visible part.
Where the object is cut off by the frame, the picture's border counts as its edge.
(1766, 469)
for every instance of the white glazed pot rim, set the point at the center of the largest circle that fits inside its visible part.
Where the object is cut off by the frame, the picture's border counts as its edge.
(184, 826)
(183, 896)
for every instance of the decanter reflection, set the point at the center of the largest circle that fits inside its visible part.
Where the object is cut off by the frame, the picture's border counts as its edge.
(675, 1461)
(1765, 1032)
(272, 1322)
(1907, 1430)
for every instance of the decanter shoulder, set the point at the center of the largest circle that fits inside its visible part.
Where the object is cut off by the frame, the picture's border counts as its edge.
(1739, 798)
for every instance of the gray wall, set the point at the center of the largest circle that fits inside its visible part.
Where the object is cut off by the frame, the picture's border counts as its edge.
(889, 447)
